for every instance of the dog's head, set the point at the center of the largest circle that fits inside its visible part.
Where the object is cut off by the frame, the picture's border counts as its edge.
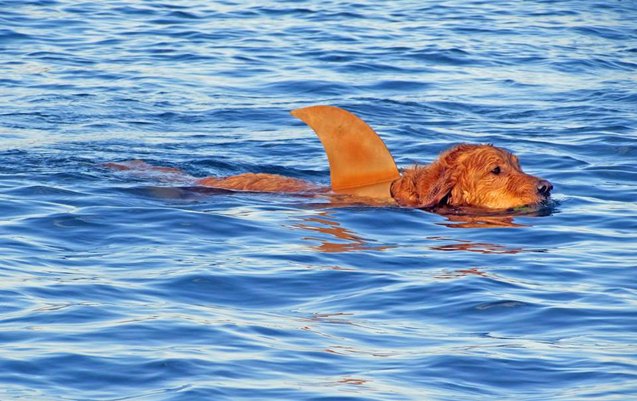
(482, 176)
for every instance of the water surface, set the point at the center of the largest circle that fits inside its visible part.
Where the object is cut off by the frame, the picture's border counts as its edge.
(120, 287)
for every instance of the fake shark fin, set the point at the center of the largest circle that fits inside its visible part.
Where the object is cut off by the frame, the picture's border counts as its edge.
(360, 163)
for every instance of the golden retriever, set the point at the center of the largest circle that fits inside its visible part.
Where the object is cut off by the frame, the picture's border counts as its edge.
(483, 176)
(467, 175)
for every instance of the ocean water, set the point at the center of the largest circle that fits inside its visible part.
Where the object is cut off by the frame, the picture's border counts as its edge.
(115, 286)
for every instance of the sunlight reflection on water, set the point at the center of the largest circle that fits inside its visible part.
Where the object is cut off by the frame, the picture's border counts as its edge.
(121, 286)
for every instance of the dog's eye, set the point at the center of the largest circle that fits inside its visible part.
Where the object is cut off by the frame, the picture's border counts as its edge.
(496, 170)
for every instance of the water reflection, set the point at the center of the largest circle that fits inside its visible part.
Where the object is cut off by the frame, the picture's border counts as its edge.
(352, 380)
(467, 217)
(478, 247)
(473, 271)
(334, 238)
(480, 222)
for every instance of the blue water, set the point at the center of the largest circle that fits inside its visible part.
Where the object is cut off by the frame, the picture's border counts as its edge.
(121, 287)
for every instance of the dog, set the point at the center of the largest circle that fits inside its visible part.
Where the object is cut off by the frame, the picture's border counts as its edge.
(479, 176)
(467, 175)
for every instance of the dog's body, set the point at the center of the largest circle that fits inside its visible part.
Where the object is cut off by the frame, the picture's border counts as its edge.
(467, 175)
(260, 182)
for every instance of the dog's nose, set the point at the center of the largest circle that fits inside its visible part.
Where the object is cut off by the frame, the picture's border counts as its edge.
(544, 187)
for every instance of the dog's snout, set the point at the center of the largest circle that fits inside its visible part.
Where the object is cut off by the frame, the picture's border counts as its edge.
(544, 187)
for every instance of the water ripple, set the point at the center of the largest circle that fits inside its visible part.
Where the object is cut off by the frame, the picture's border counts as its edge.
(119, 286)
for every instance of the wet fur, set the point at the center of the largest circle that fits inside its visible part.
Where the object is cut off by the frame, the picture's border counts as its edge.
(461, 176)
(464, 176)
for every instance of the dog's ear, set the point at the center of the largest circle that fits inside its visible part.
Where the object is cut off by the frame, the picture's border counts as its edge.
(433, 192)
(425, 188)
(403, 190)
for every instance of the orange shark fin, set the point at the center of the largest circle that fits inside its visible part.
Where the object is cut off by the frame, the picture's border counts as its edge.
(360, 163)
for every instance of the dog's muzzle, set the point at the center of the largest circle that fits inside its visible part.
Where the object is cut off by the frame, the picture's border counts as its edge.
(544, 188)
